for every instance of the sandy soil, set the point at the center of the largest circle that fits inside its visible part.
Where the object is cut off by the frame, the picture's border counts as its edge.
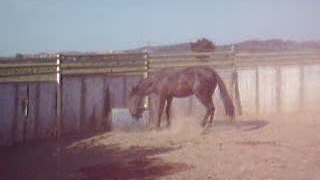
(251, 148)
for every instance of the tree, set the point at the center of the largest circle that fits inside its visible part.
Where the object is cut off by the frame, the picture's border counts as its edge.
(19, 56)
(203, 45)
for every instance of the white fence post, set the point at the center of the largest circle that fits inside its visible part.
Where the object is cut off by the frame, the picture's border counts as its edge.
(59, 97)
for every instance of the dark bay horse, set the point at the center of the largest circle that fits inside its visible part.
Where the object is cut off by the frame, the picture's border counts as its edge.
(170, 83)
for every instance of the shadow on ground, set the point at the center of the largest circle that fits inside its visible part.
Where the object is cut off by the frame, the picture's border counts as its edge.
(53, 160)
(245, 125)
(140, 168)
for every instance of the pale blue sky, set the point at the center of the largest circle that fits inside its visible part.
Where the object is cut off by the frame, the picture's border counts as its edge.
(33, 26)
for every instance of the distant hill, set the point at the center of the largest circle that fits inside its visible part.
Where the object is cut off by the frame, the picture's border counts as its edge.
(250, 46)
(255, 46)
(274, 45)
(175, 48)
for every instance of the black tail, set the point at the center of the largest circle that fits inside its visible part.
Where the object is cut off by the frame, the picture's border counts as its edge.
(228, 104)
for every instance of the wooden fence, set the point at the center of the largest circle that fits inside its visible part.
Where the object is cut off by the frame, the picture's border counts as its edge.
(41, 98)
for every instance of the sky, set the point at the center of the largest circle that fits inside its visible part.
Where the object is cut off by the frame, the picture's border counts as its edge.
(35, 26)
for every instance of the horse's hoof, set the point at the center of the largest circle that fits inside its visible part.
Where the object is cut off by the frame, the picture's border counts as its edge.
(205, 131)
(203, 124)
(168, 126)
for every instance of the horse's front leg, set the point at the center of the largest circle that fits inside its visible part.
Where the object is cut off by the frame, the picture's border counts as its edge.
(161, 107)
(168, 110)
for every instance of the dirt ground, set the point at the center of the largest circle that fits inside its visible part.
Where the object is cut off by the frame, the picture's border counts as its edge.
(251, 148)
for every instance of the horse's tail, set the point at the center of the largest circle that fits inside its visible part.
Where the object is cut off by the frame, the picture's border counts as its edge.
(228, 104)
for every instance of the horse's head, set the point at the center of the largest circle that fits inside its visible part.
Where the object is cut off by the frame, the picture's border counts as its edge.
(136, 107)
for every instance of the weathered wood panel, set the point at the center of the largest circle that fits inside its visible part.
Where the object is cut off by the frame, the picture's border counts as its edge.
(290, 84)
(267, 90)
(21, 112)
(71, 104)
(118, 92)
(247, 87)
(311, 88)
(47, 110)
(7, 113)
(95, 103)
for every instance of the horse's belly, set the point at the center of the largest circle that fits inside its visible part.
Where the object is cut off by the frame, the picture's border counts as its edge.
(183, 92)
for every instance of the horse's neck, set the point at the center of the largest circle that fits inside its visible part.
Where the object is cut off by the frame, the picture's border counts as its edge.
(146, 86)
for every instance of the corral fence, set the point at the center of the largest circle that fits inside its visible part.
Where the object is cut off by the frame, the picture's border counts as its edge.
(50, 97)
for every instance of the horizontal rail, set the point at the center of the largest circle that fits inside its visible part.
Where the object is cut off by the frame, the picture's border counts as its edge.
(190, 54)
(29, 78)
(103, 64)
(103, 70)
(108, 55)
(26, 65)
(125, 64)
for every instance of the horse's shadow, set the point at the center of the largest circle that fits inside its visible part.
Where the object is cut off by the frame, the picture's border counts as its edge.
(245, 125)
(137, 163)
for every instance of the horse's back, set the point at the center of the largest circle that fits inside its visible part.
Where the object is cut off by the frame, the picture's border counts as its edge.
(204, 73)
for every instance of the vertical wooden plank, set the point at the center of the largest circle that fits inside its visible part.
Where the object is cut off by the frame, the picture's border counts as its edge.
(83, 123)
(124, 93)
(107, 123)
(301, 88)
(71, 109)
(7, 113)
(16, 113)
(37, 110)
(94, 106)
(278, 89)
(47, 110)
(257, 91)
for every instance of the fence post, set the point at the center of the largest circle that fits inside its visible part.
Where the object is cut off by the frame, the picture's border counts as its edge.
(235, 83)
(59, 97)
(145, 75)
(237, 91)
(257, 90)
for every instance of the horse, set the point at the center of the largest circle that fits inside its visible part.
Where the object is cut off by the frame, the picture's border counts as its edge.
(170, 83)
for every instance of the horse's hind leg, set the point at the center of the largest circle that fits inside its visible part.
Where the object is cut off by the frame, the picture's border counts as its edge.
(212, 114)
(207, 102)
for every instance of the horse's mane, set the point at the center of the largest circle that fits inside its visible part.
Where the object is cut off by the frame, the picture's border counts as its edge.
(147, 85)
(144, 86)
